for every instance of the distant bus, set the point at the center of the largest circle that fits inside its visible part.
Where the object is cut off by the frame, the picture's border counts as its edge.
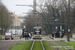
(37, 32)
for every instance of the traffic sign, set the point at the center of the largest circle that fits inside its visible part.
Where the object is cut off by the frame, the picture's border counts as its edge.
(56, 19)
(56, 27)
(24, 26)
(60, 27)
(68, 30)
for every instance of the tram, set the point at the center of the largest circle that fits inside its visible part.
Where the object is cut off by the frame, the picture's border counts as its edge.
(37, 32)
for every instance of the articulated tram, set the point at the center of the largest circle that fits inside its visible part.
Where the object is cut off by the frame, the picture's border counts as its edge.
(37, 32)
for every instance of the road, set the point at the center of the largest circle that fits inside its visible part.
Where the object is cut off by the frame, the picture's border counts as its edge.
(5, 45)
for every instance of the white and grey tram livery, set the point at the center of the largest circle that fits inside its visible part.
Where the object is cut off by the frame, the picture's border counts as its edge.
(37, 32)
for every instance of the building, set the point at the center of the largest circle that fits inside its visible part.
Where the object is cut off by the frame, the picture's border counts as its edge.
(16, 25)
(22, 18)
(16, 21)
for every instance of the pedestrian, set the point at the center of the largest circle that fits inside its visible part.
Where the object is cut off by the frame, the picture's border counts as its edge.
(29, 35)
(26, 36)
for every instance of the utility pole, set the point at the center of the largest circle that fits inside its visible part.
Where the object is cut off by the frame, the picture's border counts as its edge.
(68, 22)
(34, 10)
(34, 6)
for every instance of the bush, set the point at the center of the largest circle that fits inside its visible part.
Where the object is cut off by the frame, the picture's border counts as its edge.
(0, 37)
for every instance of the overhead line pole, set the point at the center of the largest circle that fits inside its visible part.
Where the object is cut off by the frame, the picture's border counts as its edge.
(68, 22)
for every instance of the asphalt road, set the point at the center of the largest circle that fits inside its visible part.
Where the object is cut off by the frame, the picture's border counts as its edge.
(5, 45)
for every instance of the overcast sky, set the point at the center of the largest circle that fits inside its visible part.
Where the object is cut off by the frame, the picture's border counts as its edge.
(11, 5)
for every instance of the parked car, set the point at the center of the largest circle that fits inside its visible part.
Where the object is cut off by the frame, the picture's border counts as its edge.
(9, 36)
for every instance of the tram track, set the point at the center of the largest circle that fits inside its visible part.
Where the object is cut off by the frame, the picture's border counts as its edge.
(51, 38)
(42, 45)
(37, 47)
(63, 46)
(32, 45)
(59, 44)
(53, 45)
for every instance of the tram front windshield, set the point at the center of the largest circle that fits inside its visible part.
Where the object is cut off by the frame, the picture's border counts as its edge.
(37, 31)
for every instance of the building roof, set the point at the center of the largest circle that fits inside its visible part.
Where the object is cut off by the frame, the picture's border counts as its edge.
(22, 17)
(14, 17)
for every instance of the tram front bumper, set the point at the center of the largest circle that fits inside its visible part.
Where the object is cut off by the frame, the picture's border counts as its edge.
(37, 37)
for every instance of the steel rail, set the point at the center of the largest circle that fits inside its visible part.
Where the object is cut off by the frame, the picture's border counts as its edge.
(63, 45)
(60, 44)
(42, 45)
(32, 45)
(53, 45)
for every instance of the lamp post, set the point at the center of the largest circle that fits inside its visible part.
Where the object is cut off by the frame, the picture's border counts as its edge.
(68, 22)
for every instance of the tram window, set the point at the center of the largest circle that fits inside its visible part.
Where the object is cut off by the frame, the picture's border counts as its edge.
(37, 33)
(37, 30)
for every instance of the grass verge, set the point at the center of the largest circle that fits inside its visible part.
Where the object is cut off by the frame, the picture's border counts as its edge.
(37, 46)
(70, 44)
(25, 45)
(46, 45)
(0, 37)
(57, 45)
(46, 35)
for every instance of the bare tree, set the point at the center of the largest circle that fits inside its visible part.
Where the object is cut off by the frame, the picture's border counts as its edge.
(4, 18)
(72, 16)
(31, 20)
(51, 11)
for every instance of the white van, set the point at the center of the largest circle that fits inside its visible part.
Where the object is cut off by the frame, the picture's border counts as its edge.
(9, 36)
